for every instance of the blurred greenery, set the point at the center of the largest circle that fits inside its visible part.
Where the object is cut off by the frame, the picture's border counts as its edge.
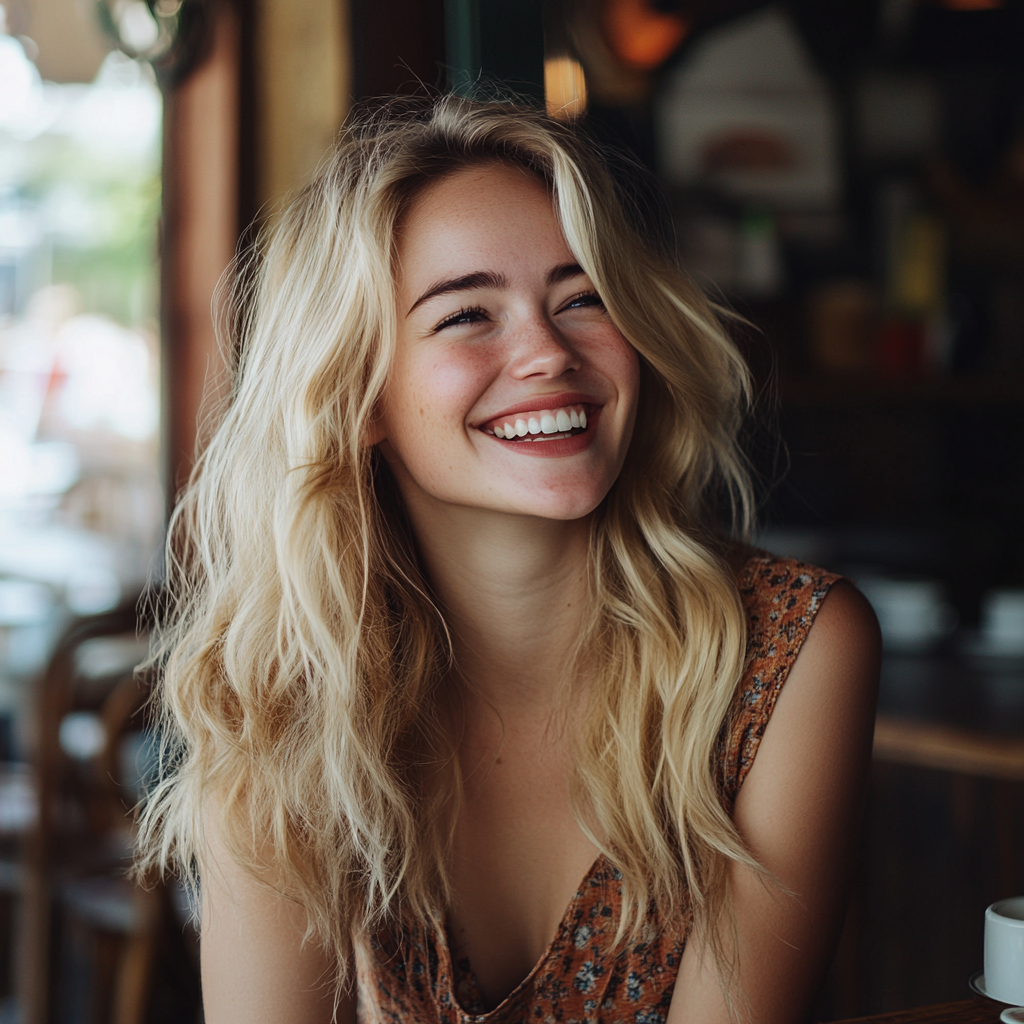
(99, 212)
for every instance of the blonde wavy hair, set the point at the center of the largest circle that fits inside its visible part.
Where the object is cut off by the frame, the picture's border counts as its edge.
(302, 654)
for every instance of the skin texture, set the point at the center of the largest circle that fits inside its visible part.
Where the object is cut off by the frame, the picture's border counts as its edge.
(504, 539)
(255, 966)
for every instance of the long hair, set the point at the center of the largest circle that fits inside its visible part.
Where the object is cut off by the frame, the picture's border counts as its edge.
(302, 653)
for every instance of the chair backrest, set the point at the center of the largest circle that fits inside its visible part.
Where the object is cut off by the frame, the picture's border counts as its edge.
(128, 759)
(80, 821)
(89, 663)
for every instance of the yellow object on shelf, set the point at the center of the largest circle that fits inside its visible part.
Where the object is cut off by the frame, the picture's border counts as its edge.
(917, 271)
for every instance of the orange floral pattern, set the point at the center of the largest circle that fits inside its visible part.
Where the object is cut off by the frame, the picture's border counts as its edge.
(409, 975)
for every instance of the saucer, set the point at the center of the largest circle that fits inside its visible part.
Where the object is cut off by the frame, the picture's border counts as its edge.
(979, 648)
(1009, 1016)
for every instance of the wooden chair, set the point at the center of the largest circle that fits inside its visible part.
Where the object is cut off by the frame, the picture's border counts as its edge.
(75, 891)
(118, 918)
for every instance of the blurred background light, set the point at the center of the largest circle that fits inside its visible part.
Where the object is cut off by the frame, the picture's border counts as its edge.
(565, 87)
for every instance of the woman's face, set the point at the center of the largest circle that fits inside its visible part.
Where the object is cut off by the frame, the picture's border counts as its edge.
(512, 389)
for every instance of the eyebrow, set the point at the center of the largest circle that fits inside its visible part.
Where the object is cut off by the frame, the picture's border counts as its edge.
(488, 279)
(563, 272)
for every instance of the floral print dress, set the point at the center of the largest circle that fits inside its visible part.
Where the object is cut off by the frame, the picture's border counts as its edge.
(410, 976)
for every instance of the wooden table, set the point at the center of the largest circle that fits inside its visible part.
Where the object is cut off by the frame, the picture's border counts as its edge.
(949, 748)
(969, 1011)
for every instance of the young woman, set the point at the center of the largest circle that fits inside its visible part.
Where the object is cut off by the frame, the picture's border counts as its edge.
(456, 625)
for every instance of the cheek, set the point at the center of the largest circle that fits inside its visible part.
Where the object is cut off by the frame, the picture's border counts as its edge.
(622, 365)
(437, 389)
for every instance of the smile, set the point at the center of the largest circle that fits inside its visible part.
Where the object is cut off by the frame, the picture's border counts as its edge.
(539, 425)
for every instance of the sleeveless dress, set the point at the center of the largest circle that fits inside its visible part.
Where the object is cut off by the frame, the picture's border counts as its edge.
(411, 977)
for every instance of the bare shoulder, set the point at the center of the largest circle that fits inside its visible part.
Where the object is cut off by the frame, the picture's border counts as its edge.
(845, 630)
(824, 717)
(817, 744)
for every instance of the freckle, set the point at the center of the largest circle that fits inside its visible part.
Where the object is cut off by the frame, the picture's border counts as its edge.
(421, 412)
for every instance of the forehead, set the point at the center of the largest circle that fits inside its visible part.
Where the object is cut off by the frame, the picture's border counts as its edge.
(476, 217)
(486, 182)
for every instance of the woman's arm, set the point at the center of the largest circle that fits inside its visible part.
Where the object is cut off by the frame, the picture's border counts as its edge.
(799, 810)
(255, 967)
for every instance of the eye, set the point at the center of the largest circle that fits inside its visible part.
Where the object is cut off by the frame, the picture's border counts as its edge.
(583, 300)
(469, 315)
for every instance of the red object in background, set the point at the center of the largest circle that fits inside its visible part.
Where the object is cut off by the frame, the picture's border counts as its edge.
(640, 36)
(901, 348)
(748, 149)
(972, 5)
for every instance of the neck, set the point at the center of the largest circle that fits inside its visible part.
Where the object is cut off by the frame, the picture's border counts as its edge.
(512, 589)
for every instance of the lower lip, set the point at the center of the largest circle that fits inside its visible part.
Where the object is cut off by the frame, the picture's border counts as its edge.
(554, 449)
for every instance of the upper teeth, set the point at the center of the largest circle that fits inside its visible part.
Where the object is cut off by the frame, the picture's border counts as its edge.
(546, 421)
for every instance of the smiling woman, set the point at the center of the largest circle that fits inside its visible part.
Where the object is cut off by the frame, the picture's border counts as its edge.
(454, 625)
(520, 342)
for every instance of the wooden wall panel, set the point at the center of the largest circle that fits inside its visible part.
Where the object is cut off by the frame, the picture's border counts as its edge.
(200, 225)
(303, 78)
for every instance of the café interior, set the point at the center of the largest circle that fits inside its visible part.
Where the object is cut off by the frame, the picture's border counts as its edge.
(845, 176)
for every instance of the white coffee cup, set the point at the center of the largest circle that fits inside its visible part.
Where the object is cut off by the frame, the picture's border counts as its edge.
(1004, 950)
(913, 614)
(1002, 621)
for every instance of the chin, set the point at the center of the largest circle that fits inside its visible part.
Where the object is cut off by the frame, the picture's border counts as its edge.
(569, 497)
(562, 511)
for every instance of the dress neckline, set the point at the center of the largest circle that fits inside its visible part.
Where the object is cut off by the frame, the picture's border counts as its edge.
(600, 863)
(448, 963)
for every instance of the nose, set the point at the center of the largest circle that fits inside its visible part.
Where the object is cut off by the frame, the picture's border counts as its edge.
(539, 349)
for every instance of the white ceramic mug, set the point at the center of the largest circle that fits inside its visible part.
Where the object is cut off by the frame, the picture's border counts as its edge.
(1002, 621)
(1004, 950)
(912, 613)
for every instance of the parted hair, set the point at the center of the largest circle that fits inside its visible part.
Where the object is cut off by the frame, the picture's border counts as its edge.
(302, 655)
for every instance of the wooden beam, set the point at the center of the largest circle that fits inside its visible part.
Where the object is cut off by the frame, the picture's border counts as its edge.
(200, 231)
